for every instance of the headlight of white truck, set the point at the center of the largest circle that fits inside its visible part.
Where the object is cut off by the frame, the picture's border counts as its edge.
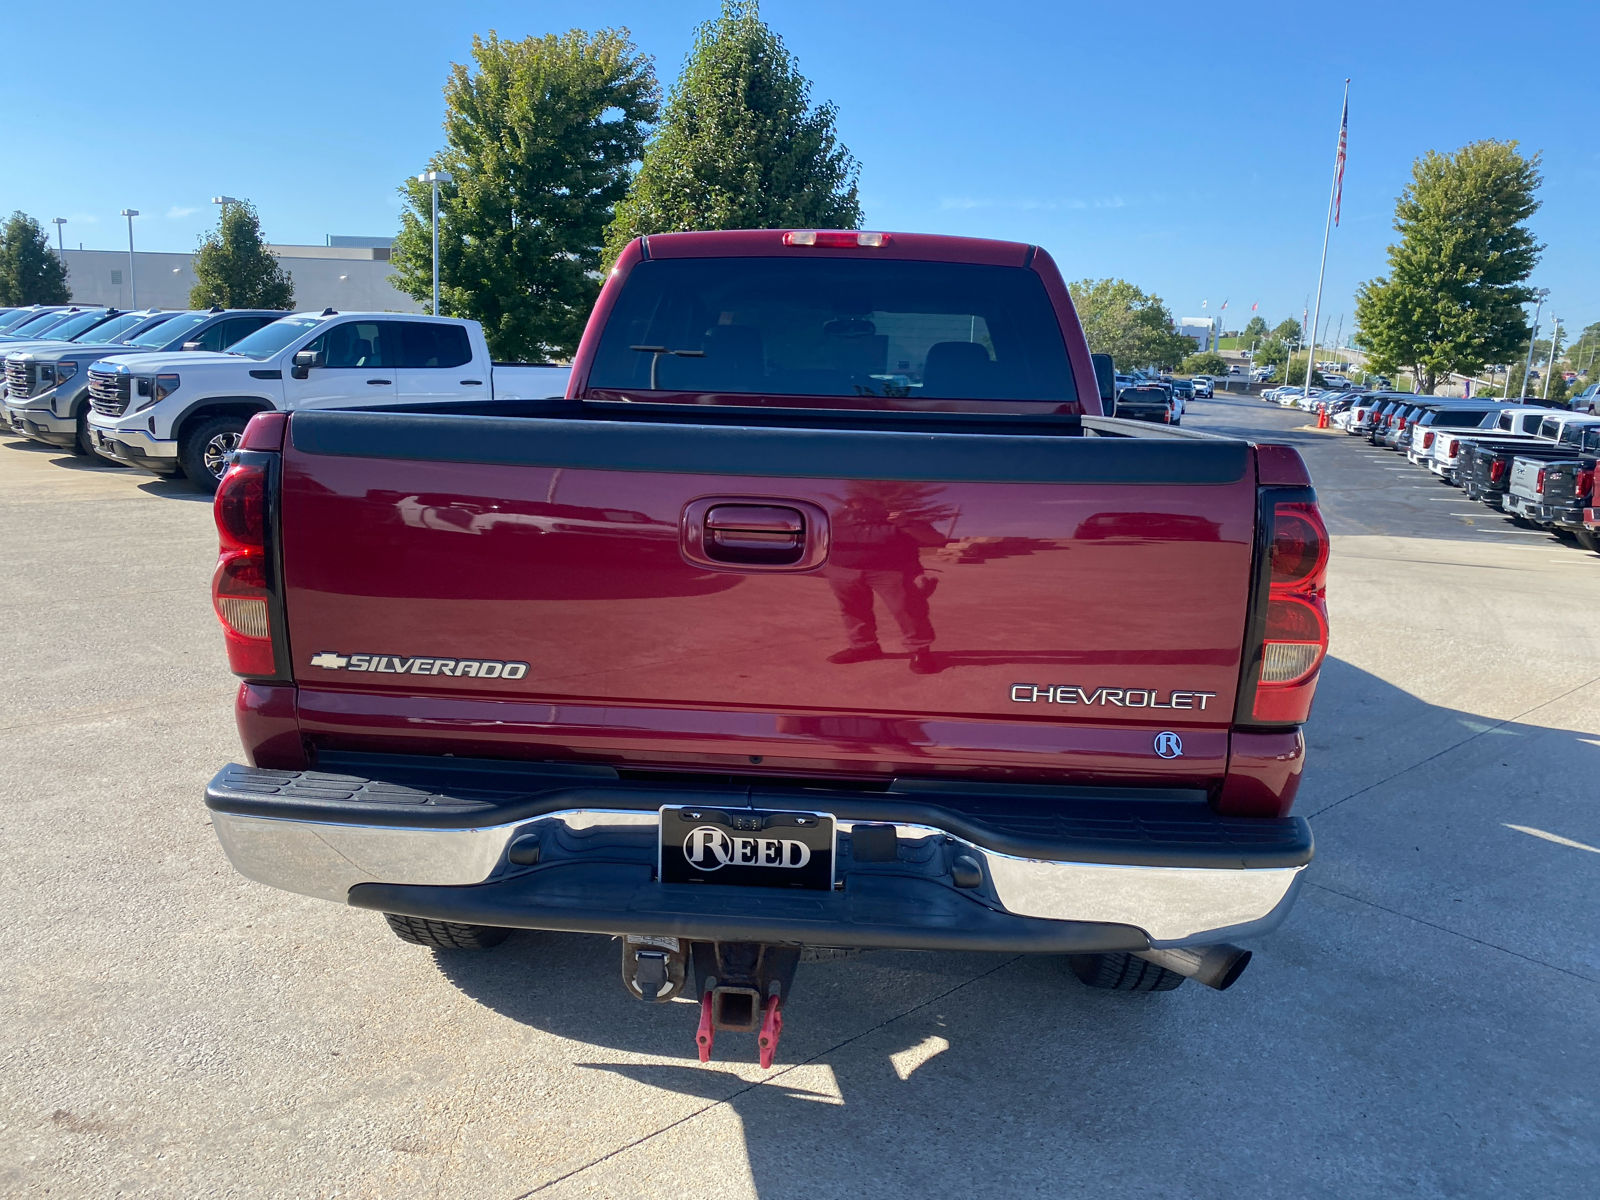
(153, 391)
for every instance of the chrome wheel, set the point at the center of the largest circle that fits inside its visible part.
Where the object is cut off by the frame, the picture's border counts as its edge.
(217, 450)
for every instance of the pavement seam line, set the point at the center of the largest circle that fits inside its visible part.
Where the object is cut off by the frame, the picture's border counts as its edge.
(1538, 962)
(749, 1087)
(1453, 746)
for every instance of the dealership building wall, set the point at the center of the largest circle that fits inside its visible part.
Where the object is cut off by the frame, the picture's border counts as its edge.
(347, 278)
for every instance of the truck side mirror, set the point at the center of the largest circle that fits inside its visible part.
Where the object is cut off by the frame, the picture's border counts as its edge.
(304, 360)
(1105, 374)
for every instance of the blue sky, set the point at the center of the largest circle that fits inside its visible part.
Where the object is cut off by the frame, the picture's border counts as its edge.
(1185, 147)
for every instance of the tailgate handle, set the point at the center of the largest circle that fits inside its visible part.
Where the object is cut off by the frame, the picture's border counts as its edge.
(759, 535)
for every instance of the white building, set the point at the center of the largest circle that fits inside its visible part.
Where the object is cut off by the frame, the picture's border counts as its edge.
(1200, 329)
(350, 278)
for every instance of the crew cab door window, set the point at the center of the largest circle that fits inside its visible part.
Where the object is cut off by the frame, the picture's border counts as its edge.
(357, 368)
(435, 360)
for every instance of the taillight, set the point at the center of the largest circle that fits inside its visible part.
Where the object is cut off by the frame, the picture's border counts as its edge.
(834, 238)
(1497, 470)
(1585, 484)
(1453, 449)
(240, 589)
(1427, 439)
(1538, 483)
(1294, 628)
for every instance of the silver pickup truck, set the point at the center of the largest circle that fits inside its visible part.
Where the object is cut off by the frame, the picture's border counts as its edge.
(1553, 492)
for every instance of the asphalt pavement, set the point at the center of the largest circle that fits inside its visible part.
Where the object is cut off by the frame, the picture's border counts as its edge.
(1424, 1024)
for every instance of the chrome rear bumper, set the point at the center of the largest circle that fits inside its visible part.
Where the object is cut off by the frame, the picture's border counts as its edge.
(596, 874)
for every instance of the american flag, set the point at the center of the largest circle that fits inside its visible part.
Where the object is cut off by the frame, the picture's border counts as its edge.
(1338, 169)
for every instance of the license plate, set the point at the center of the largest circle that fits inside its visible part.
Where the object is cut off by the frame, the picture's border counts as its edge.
(746, 847)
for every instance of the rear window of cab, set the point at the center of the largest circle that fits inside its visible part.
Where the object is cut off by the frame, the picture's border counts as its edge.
(834, 327)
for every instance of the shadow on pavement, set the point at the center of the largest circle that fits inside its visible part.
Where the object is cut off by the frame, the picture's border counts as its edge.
(173, 489)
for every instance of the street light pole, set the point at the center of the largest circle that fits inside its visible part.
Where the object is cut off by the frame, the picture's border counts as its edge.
(133, 287)
(58, 222)
(1555, 336)
(436, 178)
(1539, 295)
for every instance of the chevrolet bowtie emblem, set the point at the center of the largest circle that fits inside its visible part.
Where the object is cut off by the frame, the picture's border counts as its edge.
(330, 661)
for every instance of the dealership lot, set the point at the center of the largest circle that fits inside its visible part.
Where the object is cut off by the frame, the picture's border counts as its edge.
(1425, 1023)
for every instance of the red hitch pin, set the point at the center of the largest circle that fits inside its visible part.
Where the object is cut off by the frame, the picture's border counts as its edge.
(706, 1034)
(771, 1030)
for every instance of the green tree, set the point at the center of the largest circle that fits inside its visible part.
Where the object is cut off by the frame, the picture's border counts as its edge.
(30, 271)
(1205, 363)
(1272, 353)
(740, 144)
(1288, 330)
(1255, 330)
(541, 136)
(1132, 327)
(1453, 298)
(234, 268)
(1295, 373)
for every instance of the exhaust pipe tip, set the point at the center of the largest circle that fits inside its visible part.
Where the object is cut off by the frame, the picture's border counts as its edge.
(1216, 966)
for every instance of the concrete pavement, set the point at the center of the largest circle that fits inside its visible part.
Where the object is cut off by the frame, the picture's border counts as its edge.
(1424, 1024)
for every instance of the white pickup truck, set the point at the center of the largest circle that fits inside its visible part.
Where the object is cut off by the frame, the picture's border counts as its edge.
(186, 411)
(1444, 449)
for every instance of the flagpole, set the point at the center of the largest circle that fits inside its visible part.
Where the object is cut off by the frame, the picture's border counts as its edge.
(1327, 228)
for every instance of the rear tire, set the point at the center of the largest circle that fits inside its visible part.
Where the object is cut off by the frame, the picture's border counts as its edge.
(1587, 540)
(445, 935)
(1122, 973)
(205, 448)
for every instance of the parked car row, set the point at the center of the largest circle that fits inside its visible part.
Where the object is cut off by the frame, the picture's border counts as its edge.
(171, 391)
(1533, 463)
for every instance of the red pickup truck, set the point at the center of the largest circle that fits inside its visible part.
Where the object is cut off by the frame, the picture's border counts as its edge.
(825, 613)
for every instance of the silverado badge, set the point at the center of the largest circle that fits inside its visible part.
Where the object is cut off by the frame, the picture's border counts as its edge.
(397, 664)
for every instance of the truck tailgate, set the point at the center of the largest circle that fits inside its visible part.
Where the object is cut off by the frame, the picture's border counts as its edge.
(528, 588)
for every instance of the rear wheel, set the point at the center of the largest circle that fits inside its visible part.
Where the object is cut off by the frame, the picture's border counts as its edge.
(1587, 540)
(1123, 973)
(445, 935)
(205, 450)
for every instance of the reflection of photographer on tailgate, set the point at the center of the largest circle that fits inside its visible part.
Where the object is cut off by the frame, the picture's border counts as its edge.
(875, 550)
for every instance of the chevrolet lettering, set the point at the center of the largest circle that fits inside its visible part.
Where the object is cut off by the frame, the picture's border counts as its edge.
(1029, 693)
